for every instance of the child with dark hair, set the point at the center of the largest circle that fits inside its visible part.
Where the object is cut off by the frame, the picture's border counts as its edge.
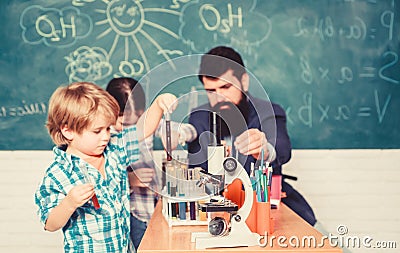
(142, 177)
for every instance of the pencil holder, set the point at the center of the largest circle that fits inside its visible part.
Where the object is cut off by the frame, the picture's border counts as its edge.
(263, 218)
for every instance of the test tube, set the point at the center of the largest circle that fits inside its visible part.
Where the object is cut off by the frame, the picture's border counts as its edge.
(182, 208)
(168, 135)
(95, 201)
(170, 178)
(192, 208)
(163, 174)
(171, 170)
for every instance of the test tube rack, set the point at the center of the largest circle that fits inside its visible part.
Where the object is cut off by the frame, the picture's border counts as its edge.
(180, 194)
(188, 205)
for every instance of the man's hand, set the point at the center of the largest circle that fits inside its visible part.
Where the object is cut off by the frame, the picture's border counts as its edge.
(141, 177)
(251, 142)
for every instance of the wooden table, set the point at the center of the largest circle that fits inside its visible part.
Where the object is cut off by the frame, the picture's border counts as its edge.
(287, 224)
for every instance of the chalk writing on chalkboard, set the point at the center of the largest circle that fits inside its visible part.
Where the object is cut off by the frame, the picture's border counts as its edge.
(333, 65)
(346, 74)
(230, 22)
(54, 27)
(325, 28)
(23, 109)
(87, 63)
(121, 21)
(341, 112)
(125, 20)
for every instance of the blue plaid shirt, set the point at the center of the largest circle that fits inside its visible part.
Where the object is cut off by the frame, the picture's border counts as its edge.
(88, 229)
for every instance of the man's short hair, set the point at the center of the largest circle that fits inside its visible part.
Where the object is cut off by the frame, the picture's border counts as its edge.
(76, 106)
(219, 60)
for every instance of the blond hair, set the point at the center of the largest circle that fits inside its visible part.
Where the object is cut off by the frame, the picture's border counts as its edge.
(76, 107)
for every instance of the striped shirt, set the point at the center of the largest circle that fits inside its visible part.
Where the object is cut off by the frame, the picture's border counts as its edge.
(89, 230)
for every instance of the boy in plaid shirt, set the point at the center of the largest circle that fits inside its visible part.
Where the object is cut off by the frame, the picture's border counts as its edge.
(85, 190)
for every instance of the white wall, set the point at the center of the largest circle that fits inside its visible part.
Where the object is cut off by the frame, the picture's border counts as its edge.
(356, 188)
(20, 229)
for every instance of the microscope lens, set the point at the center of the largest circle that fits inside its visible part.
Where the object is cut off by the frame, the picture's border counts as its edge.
(217, 226)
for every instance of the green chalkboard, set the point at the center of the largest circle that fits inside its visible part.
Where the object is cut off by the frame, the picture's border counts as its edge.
(333, 65)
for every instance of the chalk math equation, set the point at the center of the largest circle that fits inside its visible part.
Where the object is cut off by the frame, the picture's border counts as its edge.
(312, 112)
(325, 28)
(313, 73)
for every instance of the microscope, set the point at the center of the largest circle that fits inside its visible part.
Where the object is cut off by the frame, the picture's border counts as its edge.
(222, 171)
(233, 232)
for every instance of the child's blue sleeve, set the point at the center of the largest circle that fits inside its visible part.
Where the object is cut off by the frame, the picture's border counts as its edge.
(48, 195)
(129, 145)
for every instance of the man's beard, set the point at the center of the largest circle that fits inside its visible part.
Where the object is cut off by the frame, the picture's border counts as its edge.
(234, 118)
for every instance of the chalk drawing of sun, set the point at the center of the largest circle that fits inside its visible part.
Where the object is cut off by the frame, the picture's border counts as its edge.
(126, 21)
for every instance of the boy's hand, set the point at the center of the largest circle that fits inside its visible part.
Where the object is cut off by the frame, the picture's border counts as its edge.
(149, 121)
(167, 102)
(80, 194)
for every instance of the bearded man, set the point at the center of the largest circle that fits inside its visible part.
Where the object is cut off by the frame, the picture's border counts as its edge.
(249, 125)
